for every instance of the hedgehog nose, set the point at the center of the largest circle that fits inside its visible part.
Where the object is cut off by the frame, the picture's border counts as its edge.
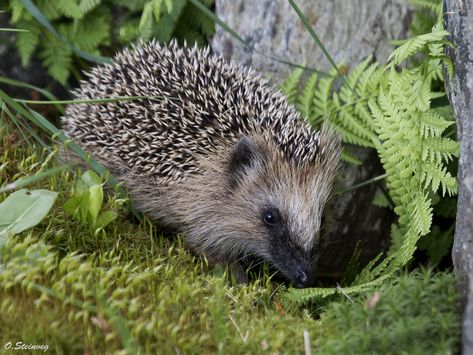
(302, 277)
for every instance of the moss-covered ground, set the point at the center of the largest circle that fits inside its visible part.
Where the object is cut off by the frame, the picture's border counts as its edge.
(129, 289)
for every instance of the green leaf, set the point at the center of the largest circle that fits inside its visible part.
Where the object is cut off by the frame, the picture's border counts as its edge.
(87, 5)
(43, 20)
(27, 42)
(290, 85)
(105, 218)
(90, 179)
(24, 209)
(157, 9)
(169, 5)
(69, 8)
(95, 202)
(416, 45)
(146, 22)
(57, 58)
(347, 157)
(84, 206)
(17, 10)
(72, 205)
(22, 182)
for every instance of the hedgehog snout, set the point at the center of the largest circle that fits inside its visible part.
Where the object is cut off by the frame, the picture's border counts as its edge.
(303, 277)
(299, 269)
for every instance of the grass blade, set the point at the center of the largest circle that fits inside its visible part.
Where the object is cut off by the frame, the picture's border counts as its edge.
(235, 35)
(49, 128)
(87, 101)
(32, 179)
(23, 126)
(3, 29)
(21, 84)
(317, 40)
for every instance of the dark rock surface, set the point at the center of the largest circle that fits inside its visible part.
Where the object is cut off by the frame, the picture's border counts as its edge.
(459, 22)
(350, 30)
(34, 73)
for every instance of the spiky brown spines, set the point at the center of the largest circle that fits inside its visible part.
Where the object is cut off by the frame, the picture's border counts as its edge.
(197, 101)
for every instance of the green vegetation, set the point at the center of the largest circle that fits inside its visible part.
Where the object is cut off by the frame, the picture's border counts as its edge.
(65, 32)
(128, 287)
(394, 109)
(81, 274)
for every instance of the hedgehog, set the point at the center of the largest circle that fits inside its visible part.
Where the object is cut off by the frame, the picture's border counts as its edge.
(212, 150)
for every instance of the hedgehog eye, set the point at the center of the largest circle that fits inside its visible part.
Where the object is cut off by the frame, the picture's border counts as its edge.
(270, 217)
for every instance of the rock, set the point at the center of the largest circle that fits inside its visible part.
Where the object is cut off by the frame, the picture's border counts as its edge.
(350, 30)
(458, 17)
(273, 27)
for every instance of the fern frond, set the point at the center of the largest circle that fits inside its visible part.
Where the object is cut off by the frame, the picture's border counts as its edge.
(433, 124)
(17, 10)
(197, 20)
(89, 33)
(88, 5)
(437, 178)
(306, 295)
(49, 9)
(433, 6)
(26, 42)
(416, 45)
(69, 8)
(347, 157)
(57, 58)
(290, 85)
(146, 22)
(353, 130)
(444, 146)
(305, 99)
(323, 98)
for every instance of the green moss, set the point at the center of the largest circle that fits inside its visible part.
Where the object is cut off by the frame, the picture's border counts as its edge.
(132, 289)
(415, 313)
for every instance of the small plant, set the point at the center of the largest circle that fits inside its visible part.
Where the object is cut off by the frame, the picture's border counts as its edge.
(87, 201)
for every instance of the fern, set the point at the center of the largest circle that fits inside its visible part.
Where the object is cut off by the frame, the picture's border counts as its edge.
(57, 59)
(390, 109)
(193, 25)
(417, 44)
(69, 8)
(26, 42)
(88, 26)
(305, 100)
(88, 5)
(289, 86)
(17, 11)
(89, 35)
(433, 6)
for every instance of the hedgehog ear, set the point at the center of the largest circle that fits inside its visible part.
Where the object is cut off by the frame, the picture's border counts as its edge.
(245, 156)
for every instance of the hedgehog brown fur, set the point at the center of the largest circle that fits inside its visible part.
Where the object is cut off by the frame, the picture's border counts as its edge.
(215, 151)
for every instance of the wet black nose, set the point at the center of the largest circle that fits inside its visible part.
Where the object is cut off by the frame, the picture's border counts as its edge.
(303, 277)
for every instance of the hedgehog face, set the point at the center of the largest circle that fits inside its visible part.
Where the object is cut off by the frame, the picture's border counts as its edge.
(282, 204)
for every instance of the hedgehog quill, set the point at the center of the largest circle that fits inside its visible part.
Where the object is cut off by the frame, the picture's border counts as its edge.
(216, 153)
